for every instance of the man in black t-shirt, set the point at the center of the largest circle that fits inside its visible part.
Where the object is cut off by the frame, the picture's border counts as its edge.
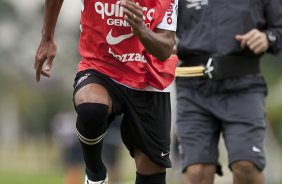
(233, 35)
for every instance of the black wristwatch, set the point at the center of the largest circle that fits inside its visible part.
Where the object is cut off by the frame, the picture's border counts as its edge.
(271, 37)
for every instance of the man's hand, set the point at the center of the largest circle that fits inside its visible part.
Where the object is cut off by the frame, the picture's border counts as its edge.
(255, 40)
(159, 42)
(134, 16)
(45, 52)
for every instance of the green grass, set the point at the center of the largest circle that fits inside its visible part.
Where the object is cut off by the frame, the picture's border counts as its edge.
(31, 178)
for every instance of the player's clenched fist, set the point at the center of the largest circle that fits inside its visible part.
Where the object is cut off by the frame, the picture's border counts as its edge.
(133, 14)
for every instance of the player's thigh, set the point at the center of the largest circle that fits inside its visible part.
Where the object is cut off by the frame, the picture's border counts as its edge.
(91, 91)
(244, 132)
(146, 124)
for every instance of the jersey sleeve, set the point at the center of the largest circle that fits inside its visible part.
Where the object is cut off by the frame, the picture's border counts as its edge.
(169, 20)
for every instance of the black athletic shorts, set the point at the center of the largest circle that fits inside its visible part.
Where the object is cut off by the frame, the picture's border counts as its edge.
(231, 107)
(146, 122)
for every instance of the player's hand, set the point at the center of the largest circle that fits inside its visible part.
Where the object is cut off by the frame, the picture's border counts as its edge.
(255, 40)
(134, 16)
(45, 53)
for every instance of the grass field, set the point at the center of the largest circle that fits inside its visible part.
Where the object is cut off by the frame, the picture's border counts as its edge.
(31, 178)
(40, 178)
(36, 163)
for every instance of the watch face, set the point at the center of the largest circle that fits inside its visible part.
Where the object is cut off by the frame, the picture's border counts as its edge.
(271, 37)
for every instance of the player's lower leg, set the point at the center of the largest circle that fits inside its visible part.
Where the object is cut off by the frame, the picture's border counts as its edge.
(91, 129)
(147, 170)
(158, 178)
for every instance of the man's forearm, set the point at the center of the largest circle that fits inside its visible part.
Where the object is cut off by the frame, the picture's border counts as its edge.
(159, 44)
(51, 12)
(273, 12)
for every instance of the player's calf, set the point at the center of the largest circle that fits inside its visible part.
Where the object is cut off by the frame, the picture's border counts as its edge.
(158, 178)
(91, 128)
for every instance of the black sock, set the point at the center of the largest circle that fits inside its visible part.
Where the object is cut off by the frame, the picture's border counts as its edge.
(96, 176)
(158, 178)
(91, 127)
(95, 169)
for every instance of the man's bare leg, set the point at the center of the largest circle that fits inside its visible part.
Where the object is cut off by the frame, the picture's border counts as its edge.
(200, 174)
(245, 172)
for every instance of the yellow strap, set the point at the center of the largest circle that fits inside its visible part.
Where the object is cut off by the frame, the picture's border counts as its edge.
(192, 71)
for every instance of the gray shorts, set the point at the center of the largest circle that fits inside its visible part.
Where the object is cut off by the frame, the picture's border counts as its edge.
(234, 108)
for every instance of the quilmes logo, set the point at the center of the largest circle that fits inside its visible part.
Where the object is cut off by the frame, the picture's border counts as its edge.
(107, 10)
(197, 4)
(113, 14)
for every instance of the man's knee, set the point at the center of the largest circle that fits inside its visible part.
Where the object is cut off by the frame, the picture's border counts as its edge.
(244, 168)
(91, 122)
(199, 172)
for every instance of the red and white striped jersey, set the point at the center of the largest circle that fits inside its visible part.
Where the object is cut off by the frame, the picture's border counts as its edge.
(108, 45)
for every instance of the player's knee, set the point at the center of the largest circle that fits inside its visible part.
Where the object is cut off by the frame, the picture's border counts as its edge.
(91, 122)
(244, 168)
(158, 178)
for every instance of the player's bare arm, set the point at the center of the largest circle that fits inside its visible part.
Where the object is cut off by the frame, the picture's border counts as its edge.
(255, 40)
(159, 43)
(47, 47)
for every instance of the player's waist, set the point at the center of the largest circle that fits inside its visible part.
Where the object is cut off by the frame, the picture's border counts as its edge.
(130, 75)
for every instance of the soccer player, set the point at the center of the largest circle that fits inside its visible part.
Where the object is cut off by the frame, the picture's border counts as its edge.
(127, 67)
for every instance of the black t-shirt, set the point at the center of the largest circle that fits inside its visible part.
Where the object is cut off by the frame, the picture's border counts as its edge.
(210, 26)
